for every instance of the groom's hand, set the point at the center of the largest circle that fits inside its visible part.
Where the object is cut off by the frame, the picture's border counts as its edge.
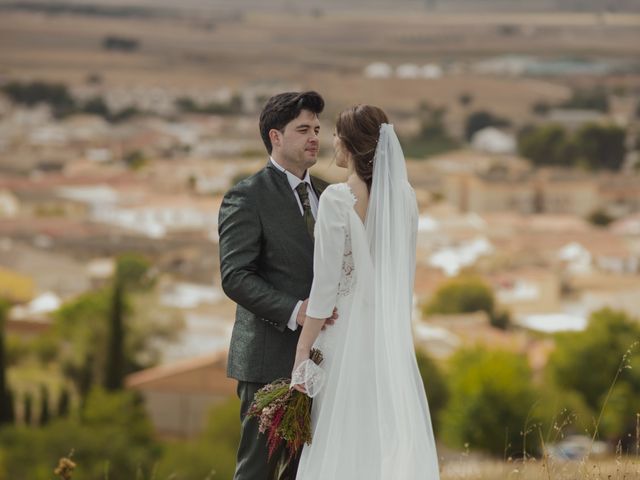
(332, 319)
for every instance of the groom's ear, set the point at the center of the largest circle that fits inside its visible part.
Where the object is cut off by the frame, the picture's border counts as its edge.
(275, 137)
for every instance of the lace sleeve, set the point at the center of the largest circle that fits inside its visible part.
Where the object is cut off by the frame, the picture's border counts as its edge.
(330, 231)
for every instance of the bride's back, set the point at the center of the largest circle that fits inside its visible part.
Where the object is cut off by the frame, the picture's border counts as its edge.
(361, 192)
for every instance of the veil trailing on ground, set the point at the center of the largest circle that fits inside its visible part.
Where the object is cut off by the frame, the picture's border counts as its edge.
(391, 227)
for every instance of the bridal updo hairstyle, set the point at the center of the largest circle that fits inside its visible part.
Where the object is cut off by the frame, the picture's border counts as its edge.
(358, 128)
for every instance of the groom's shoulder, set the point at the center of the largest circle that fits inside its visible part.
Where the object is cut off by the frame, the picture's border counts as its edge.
(252, 182)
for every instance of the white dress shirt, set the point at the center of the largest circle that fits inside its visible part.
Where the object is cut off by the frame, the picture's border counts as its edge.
(294, 181)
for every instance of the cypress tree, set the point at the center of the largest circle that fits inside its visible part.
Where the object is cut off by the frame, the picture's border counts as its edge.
(27, 415)
(10, 407)
(45, 415)
(6, 400)
(64, 402)
(115, 366)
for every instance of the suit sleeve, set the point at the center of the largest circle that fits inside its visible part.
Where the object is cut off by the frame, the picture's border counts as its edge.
(240, 233)
(330, 232)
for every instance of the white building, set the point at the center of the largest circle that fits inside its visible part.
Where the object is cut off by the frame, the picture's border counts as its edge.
(493, 140)
(378, 70)
(9, 204)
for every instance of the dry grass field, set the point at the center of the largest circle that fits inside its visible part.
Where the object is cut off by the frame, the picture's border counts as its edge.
(612, 469)
(326, 52)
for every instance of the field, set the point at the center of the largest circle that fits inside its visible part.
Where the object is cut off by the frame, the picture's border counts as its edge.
(614, 469)
(327, 52)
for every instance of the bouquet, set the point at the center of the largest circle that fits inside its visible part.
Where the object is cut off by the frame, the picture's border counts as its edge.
(285, 413)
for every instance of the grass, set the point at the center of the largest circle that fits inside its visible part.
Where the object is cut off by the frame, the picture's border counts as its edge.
(618, 468)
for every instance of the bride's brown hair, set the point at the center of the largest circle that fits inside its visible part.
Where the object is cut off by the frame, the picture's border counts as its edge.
(358, 128)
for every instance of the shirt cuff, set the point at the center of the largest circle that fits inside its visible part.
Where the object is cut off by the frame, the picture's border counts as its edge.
(293, 320)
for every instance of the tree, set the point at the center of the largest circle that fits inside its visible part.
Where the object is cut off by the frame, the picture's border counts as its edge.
(491, 399)
(540, 108)
(434, 385)
(45, 414)
(465, 99)
(500, 319)
(593, 99)
(81, 327)
(186, 104)
(135, 159)
(6, 403)
(9, 407)
(131, 274)
(482, 119)
(546, 145)
(468, 295)
(27, 415)
(124, 114)
(599, 218)
(606, 342)
(56, 95)
(121, 44)
(233, 106)
(113, 439)
(132, 270)
(601, 147)
(64, 403)
(462, 295)
(236, 103)
(593, 146)
(97, 106)
(433, 137)
(432, 121)
(115, 361)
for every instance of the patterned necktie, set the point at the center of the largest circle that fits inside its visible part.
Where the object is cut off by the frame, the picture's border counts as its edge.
(303, 193)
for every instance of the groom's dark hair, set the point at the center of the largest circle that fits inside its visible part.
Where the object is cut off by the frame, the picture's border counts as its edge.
(284, 107)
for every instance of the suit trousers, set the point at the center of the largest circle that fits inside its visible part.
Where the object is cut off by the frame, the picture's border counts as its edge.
(252, 461)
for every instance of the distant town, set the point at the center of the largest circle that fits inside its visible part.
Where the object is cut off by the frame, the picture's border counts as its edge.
(525, 162)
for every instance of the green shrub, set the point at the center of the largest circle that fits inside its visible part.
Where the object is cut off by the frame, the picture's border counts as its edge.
(213, 451)
(588, 362)
(491, 400)
(113, 435)
(434, 385)
(462, 295)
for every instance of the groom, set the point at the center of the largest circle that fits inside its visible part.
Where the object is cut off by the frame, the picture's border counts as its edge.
(266, 261)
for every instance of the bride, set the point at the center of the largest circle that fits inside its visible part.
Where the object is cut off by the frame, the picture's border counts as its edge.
(370, 419)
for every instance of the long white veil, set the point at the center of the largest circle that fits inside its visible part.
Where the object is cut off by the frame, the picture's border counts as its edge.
(391, 226)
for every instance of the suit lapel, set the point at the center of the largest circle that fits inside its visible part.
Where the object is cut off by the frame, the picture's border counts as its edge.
(318, 185)
(288, 205)
(290, 201)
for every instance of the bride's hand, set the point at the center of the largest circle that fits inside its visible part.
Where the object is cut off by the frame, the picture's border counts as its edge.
(301, 356)
(299, 388)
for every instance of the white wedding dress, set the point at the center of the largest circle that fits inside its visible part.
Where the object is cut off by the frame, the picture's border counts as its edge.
(370, 420)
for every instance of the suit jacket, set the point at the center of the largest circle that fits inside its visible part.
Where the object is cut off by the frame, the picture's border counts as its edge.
(266, 264)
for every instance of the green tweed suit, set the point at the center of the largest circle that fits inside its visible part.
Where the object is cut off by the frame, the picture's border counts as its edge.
(266, 263)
